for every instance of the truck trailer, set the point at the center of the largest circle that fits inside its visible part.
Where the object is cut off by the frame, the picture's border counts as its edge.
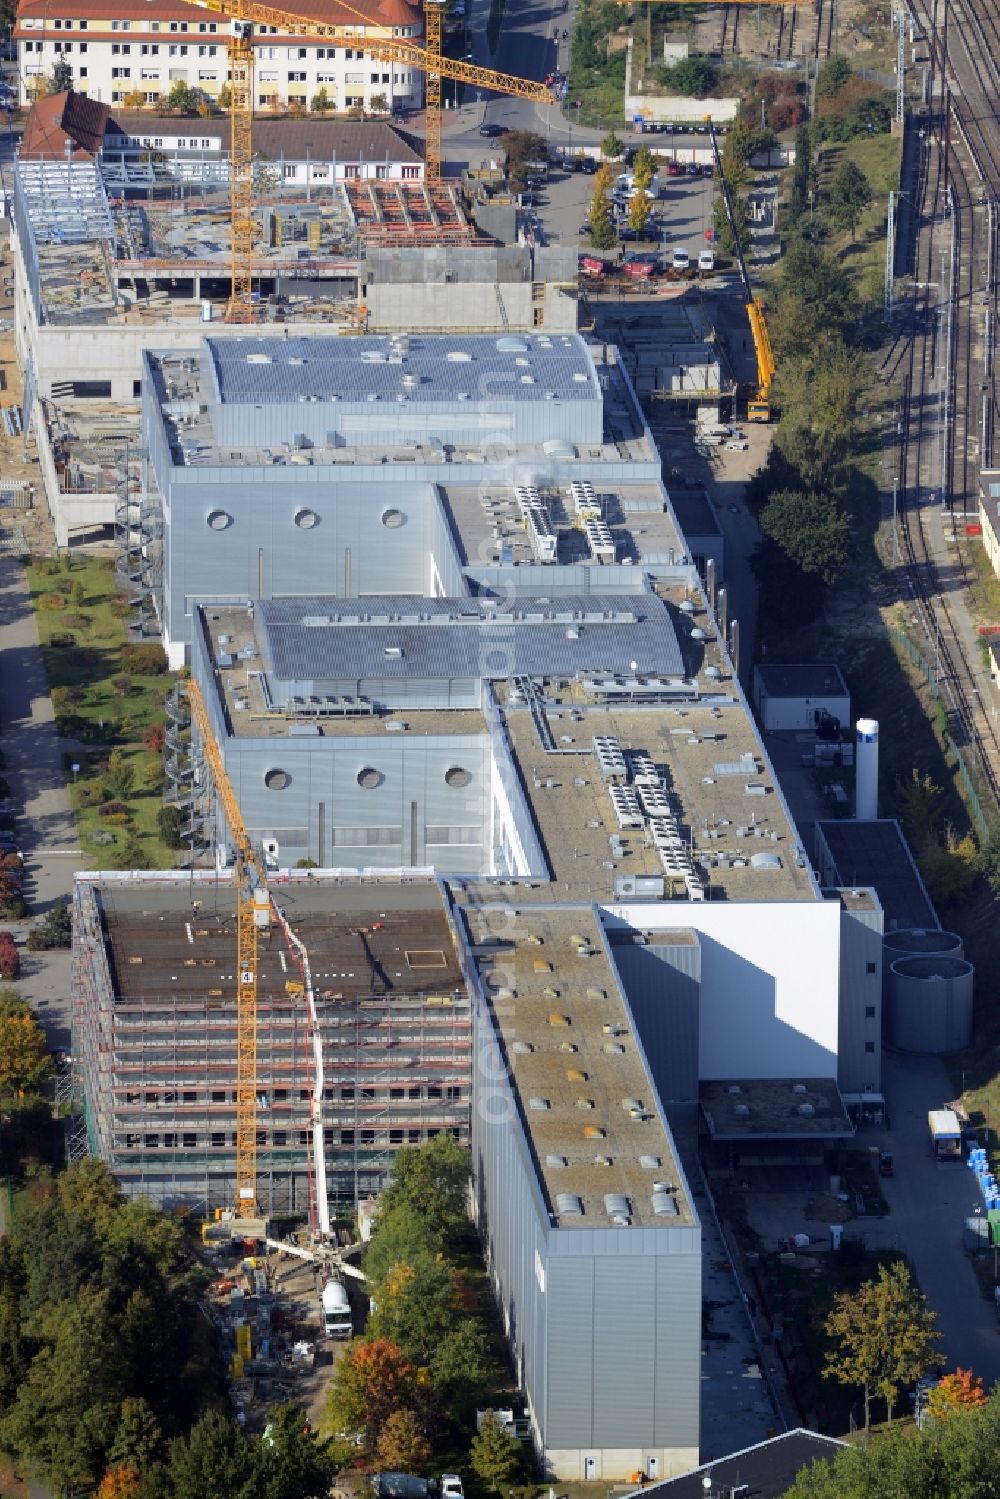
(336, 1310)
(946, 1134)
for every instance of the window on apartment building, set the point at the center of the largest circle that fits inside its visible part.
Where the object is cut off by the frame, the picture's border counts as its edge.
(304, 1136)
(347, 1093)
(189, 1141)
(368, 1137)
(368, 1095)
(83, 46)
(218, 1095)
(869, 1012)
(320, 173)
(434, 1091)
(131, 1098)
(170, 1141)
(347, 1137)
(289, 169)
(154, 25)
(453, 1092)
(83, 74)
(280, 1094)
(170, 1096)
(397, 1092)
(151, 1142)
(869, 1046)
(296, 78)
(395, 1137)
(218, 1138)
(413, 1136)
(456, 1132)
(82, 25)
(303, 1095)
(432, 1134)
(416, 1091)
(261, 1137)
(189, 1096)
(409, 173)
(281, 1137)
(152, 1097)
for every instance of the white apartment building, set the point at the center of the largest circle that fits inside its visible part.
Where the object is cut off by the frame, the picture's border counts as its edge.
(138, 53)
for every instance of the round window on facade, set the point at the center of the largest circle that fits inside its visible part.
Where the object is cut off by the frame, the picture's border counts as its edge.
(393, 519)
(276, 780)
(369, 778)
(456, 776)
(306, 519)
(219, 520)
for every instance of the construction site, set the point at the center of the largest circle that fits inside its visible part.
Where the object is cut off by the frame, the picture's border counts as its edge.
(371, 1052)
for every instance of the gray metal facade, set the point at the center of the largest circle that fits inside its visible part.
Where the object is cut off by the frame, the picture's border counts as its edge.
(859, 1070)
(604, 1324)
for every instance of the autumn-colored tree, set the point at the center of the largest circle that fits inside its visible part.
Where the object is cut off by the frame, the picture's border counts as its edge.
(24, 1055)
(962, 1390)
(495, 1455)
(402, 1446)
(374, 1382)
(121, 1482)
(883, 1336)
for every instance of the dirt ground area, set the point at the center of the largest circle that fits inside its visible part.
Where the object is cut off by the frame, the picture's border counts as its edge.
(13, 465)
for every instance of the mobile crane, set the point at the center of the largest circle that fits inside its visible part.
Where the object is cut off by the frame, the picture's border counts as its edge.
(758, 405)
(427, 58)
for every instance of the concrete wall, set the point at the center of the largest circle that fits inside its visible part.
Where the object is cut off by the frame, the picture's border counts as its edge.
(467, 305)
(769, 983)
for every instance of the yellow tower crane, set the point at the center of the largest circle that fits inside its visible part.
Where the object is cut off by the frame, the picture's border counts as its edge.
(253, 914)
(378, 42)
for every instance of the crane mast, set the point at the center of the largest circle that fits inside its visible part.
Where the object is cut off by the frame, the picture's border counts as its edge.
(253, 914)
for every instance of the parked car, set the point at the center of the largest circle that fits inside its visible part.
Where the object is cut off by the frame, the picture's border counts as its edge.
(706, 260)
(680, 260)
(737, 444)
(490, 130)
(588, 165)
(673, 169)
(451, 1486)
(693, 169)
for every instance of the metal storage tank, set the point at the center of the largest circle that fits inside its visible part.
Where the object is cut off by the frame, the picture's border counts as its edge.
(866, 770)
(930, 1003)
(913, 942)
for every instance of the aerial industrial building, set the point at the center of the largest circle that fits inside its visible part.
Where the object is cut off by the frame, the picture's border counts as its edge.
(455, 653)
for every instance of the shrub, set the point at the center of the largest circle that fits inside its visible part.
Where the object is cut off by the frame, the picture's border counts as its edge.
(60, 639)
(53, 602)
(121, 607)
(122, 686)
(831, 76)
(786, 113)
(11, 861)
(54, 930)
(168, 822)
(119, 818)
(74, 622)
(14, 908)
(144, 660)
(10, 960)
(46, 566)
(113, 808)
(64, 698)
(154, 737)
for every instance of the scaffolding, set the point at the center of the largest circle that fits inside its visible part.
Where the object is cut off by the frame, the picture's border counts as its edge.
(157, 1053)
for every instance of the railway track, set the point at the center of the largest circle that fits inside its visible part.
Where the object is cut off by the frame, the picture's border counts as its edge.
(730, 28)
(938, 357)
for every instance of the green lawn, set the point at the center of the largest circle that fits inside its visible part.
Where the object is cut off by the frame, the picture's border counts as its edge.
(878, 157)
(99, 702)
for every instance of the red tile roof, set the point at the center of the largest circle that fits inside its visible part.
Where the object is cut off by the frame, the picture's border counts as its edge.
(64, 118)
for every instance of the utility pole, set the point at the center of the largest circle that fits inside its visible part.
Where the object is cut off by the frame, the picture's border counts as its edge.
(890, 256)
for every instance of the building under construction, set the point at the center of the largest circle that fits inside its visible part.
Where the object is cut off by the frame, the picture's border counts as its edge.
(387, 1061)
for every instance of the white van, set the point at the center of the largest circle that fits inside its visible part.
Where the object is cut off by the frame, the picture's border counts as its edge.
(706, 260)
(680, 260)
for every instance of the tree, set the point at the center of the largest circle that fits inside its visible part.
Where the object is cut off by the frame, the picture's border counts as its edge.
(182, 99)
(521, 148)
(827, 299)
(402, 1446)
(401, 1234)
(214, 1458)
(169, 822)
(692, 76)
(494, 1454)
(135, 99)
(962, 1390)
(292, 1463)
(727, 240)
(24, 1054)
(417, 1307)
(119, 1482)
(811, 530)
(54, 930)
(459, 1368)
(121, 775)
(638, 210)
(61, 77)
(225, 97)
(883, 1336)
(602, 230)
(10, 961)
(918, 802)
(611, 147)
(138, 1442)
(373, 1382)
(378, 104)
(850, 195)
(320, 101)
(433, 1179)
(802, 172)
(831, 76)
(643, 168)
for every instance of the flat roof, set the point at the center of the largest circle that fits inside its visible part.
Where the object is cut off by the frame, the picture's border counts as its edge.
(390, 638)
(877, 854)
(431, 368)
(805, 679)
(774, 1109)
(707, 755)
(161, 949)
(586, 1099)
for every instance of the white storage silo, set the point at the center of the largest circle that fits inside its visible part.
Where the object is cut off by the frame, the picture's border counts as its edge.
(866, 770)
